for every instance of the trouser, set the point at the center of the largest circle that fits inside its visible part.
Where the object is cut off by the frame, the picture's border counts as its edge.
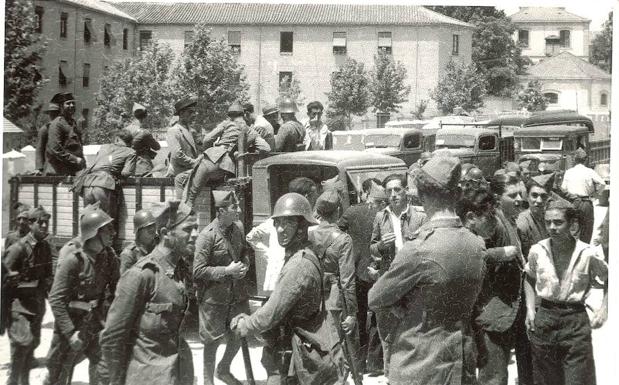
(276, 356)
(206, 173)
(374, 360)
(24, 335)
(585, 211)
(384, 322)
(180, 180)
(107, 199)
(61, 360)
(561, 345)
(335, 318)
(143, 165)
(362, 289)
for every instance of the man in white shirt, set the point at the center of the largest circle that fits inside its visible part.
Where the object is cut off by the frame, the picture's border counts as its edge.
(317, 134)
(581, 184)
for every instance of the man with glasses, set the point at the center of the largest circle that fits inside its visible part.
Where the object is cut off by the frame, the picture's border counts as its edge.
(531, 226)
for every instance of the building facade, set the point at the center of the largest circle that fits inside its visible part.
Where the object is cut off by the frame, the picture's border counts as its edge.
(83, 37)
(308, 42)
(548, 31)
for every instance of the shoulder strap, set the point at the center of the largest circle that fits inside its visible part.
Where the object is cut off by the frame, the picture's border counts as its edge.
(317, 266)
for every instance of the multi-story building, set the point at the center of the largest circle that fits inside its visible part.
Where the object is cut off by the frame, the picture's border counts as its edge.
(548, 31)
(83, 37)
(309, 41)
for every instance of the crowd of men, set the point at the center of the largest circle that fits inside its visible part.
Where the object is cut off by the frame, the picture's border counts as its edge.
(438, 294)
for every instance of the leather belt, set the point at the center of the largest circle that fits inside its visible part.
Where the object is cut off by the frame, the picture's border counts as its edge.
(562, 305)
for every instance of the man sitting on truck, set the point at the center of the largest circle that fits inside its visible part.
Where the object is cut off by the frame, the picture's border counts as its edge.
(64, 154)
(143, 142)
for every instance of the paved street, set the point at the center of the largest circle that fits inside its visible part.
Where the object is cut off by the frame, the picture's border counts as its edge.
(604, 352)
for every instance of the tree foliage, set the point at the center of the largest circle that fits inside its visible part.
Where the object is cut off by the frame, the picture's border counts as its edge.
(387, 84)
(349, 94)
(144, 79)
(290, 88)
(531, 97)
(22, 73)
(601, 53)
(209, 70)
(461, 86)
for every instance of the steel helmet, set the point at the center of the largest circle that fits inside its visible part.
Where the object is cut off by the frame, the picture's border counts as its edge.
(142, 219)
(236, 107)
(287, 106)
(294, 205)
(92, 219)
(474, 174)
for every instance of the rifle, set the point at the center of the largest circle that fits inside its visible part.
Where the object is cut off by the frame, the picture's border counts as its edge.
(249, 373)
(349, 346)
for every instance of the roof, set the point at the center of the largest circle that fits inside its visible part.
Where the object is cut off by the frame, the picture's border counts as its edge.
(566, 66)
(99, 6)
(9, 127)
(560, 117)
(546, 15)
(508, 120)
(556, 130)
(283, 14)
(341, 159)
(465, 130)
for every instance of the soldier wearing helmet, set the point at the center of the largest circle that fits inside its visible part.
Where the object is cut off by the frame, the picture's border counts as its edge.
(85, 279)
(290, 136)
(217, 162)
(145, 240)
(29, 264)
(295, 301)
(141, 341)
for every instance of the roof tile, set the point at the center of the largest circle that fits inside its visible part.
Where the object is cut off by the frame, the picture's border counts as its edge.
(566, 66)
(100, 6)
(546, 15)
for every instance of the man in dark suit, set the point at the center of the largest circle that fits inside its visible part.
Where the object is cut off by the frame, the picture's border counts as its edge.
(64, 153)
(183, 151)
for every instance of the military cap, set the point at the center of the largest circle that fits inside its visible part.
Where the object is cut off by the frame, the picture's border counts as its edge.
(525, 165)
(269, 109)
(580, 154)
(328, 202)
(442, 170)
(558, 203)
(65, 97)
(224, 198)
(544, 180)
(512, 167)
(236, 107)
(137, 107)
(37, 213)
(22, 210)
(184, 103)
(57, 98)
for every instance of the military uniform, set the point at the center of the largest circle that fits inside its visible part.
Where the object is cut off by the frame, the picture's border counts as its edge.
(32, 259)
(432, 295)
(64, 153)
(130, 255)
(82, 287)
(145, 147)
(290, 136)
(141, 342)
(265, 130)
(13, 237)
(531, 230)
(42, 136)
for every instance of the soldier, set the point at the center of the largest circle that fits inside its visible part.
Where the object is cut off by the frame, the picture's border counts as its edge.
(141, 341)
(100, 182)
(52, 111)
(219, 269)
(64, 153)
(581, 184)
(143, 142)
(431, 293)
(290, 136)
(265, 124)
(248, 114)
(218, 161)
(29, 264)
(145, 240)
(86, 274)
(530, 223)
(183, 151)
(317, 134)
(295, 301)
(22, 225)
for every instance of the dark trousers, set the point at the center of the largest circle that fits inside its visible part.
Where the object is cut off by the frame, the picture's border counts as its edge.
(362, 289)
(374, 361)
(585, 211)
(24, 335)
(207, 173)
(561, 347)
(61, 361)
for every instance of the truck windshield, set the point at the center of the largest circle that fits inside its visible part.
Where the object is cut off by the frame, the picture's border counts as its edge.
(455, 141)
(541, 144)
(382, 141)
(348, 142)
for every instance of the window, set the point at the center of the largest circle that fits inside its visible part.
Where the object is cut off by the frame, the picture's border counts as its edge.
(107, 35)
(285, 79)
(125, 38)
(63, 24)
(523, 38)
(604, 99)
(564, 38)
(455, 45)
(553, 97)
(62, 73)
(86, 75)
(88, 35)
(188, 38)
(285, 42)
(412, 141)
(553, 45)
(339, 43)
(146, 39)
(384, 42)
(487, 143)
(234, 41)
(38, 19)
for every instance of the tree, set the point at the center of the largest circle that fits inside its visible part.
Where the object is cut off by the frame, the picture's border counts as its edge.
(494, 51)
(420, 108)
(387, 84)
(22, 73)
(144, 79)
(349, 94)
(601, 53)
(461, 86)
(532, 97)
(290, 87)
(209, 70)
